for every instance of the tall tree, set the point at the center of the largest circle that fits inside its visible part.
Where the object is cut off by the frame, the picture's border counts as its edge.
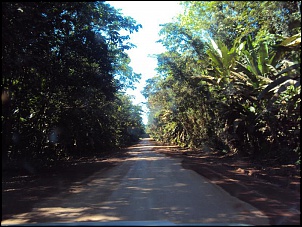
(59, 67)
(229, 77)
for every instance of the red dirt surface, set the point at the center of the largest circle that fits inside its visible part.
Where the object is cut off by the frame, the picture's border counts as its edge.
(275, 190)
(269, 187)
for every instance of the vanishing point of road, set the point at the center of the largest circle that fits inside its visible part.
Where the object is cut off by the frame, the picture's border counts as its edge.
(148, 186)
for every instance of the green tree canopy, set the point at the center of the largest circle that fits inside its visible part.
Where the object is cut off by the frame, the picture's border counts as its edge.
(63, 65)
(230, 78)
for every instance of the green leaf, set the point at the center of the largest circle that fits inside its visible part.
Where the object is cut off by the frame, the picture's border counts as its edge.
(274, 84)
(263, 58)
(292, 41)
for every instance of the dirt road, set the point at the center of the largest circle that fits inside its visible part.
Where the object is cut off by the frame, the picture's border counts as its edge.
(147, 186)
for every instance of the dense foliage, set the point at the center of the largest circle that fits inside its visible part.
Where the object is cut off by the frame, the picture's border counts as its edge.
(64, 68)
(231, 78)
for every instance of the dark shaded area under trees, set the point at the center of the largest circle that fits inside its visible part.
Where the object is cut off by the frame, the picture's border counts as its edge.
(64, 68)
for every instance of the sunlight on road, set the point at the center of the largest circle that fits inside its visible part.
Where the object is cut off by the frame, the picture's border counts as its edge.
(147, 141)
(69, 214)
(146, 158)
(140, 147)
(145, 186)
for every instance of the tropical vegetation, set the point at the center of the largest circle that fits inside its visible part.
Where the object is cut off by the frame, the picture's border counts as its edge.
(64, 76)
(230, 78)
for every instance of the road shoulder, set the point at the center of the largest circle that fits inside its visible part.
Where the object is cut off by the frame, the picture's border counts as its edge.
(274, 191)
